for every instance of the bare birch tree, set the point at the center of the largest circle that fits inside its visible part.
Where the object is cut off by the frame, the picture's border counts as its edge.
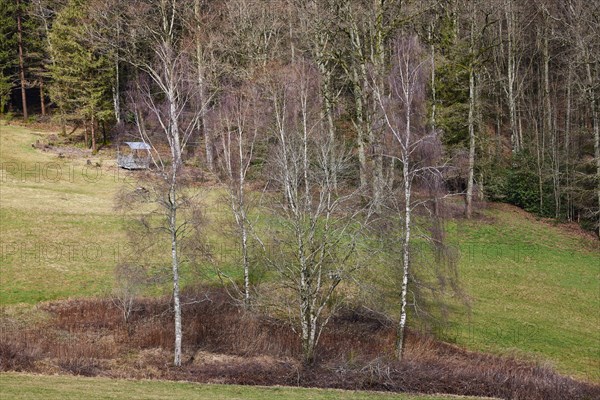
(204, 60)
(402, 109)
(513, 56)
(166, 93)
(313, 245)
(238, 120)
(320, 32)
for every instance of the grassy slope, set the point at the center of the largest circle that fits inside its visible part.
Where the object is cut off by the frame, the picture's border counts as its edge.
(59, 232)
(535, 288)
(26, 386)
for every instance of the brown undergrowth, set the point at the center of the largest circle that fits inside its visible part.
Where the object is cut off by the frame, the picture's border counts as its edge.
(224, 344)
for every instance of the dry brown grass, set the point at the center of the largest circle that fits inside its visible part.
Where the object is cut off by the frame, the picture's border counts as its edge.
(224, 344)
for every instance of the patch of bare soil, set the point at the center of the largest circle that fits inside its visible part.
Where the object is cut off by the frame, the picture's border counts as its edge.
(224, 344)
(60, 146)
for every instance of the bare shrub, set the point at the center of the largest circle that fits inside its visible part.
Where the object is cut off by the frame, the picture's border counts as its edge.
(129, 281)
(80, 366)
(16, 356)
(231, 345)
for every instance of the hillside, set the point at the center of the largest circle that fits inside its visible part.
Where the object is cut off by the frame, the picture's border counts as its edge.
(533, 285)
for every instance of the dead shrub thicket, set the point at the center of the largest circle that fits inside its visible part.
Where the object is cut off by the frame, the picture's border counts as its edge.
(226, 344)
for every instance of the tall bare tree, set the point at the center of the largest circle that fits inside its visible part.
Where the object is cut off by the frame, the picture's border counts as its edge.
(479, 22)
(203, 60)
(514, 56)
(314, 241)
(412, 144)
(320, 32)
(167, 94)
(369, 28)
(238, 122)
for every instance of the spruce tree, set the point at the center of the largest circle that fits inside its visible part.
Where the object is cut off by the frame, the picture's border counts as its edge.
(81, 75)
(8, 50)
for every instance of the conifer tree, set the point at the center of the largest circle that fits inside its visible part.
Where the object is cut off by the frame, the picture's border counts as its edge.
(8, 50)
(81, 75)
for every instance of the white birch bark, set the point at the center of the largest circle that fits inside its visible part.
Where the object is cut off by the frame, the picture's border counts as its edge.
(175, 146)
(240, 121)
(175, 269)
(407, 185)
(303, 165)
(398, 105)
(166, 98)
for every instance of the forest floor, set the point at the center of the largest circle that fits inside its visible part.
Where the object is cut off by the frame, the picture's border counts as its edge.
(534, 286)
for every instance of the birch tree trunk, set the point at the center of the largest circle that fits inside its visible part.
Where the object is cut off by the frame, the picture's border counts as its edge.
(243, 218)
(172, 205)
(539, 152)
(239, 120)
(407, 183)
(168, 96)
(398, 105)
(175, 145)
(116, 89)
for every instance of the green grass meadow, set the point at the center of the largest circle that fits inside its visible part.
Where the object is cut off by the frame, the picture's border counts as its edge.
(535, 291)
(534, 287)
(29, 387)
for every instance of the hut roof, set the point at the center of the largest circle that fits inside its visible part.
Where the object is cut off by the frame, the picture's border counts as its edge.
(138, 145)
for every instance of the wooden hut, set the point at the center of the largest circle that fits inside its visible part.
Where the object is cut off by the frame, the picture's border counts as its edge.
(133, 155)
